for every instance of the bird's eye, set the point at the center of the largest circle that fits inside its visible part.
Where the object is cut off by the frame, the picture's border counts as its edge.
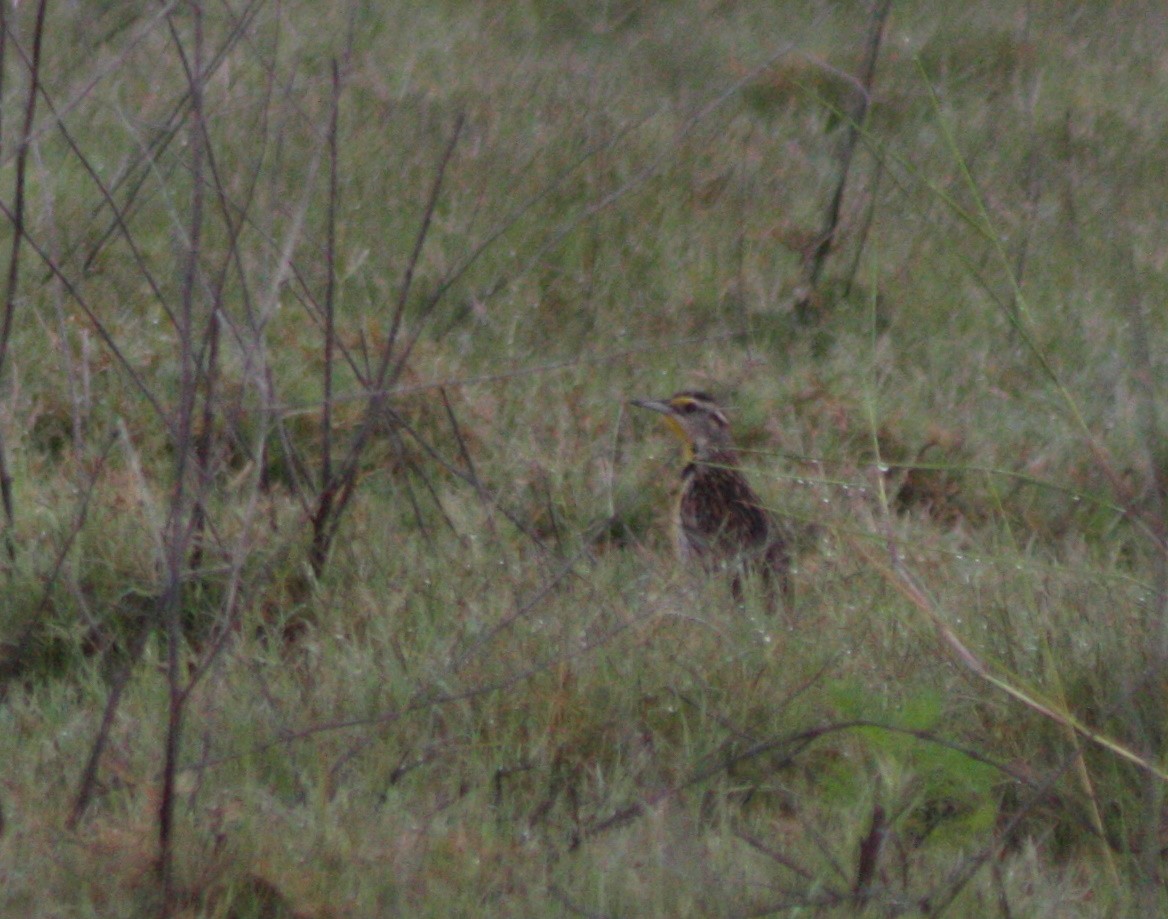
(689, 408)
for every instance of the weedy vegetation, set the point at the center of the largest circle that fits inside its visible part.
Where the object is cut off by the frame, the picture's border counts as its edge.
(336, 575)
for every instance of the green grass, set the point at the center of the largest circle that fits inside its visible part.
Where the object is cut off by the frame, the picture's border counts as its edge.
(500, 696)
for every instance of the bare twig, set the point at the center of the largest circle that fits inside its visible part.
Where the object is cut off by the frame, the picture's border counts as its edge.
(334, 496)
(856, 116)
(471, 475)
(869, 855)
(19, 182)
(88, 782)
(389, 372)
(135, 175)
(99, 327)
(13, 276)
(775, 855)
(178, 520)
(470, 478)
(322, 518)
(865, 229)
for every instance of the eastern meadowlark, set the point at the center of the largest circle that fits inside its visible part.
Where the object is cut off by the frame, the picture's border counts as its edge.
(720, 522)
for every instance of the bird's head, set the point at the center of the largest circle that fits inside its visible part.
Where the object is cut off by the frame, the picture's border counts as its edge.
(697, 419)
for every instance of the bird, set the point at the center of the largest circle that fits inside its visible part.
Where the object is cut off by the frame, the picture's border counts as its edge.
(720, 522)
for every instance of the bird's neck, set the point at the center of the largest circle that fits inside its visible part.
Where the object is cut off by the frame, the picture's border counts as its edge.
(709, 454)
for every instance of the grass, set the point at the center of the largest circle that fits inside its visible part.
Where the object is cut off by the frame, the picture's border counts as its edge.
(494, 693)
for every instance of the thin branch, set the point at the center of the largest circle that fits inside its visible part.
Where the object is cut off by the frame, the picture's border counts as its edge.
(13, 277)
(171, 127)
(870, 848)
(330, 331)
(88, 782)
(775, 855)
(471, 475)
(98, 326)
(411, 265)
(855, 123)
(336, 493)
(177, 527)
(328, 492)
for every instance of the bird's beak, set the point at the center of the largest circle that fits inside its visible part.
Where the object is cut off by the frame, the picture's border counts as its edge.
(654, 405)
(665, 409)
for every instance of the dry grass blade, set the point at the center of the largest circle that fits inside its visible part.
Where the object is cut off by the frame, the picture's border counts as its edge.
(899, 576)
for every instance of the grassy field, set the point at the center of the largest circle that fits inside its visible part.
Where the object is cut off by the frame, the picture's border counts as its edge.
(337, 575)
